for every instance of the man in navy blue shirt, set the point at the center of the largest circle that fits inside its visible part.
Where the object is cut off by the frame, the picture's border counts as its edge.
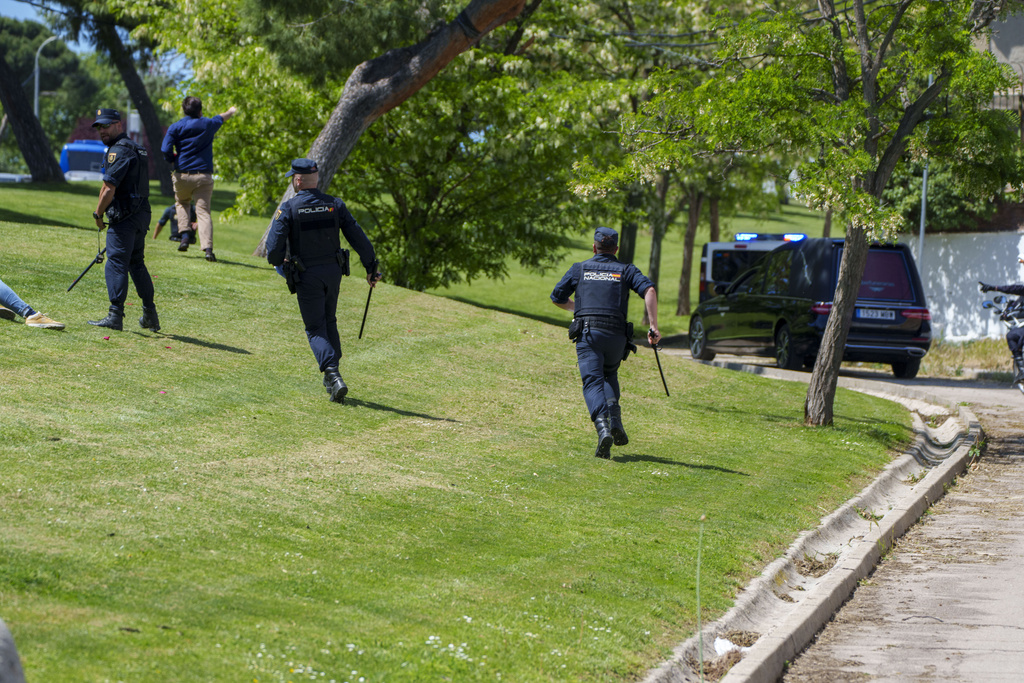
(601, 330)
(305, 239)
(188, 147)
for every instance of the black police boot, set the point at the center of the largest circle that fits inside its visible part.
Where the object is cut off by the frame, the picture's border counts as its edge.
(185, 240)
(334, 384)
(604, 437)
(615, 420)
(1018, 366)
(114, 319)
(150, 320)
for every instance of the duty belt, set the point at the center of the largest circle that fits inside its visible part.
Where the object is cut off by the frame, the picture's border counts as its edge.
(604, 323)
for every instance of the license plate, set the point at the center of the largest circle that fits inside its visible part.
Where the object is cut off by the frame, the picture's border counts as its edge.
(875, 314)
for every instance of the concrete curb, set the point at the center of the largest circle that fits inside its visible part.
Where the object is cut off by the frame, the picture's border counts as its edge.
(786, 608)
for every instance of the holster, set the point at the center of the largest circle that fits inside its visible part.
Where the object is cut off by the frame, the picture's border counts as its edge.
(343, 261)
(630, 346)
(576, 330)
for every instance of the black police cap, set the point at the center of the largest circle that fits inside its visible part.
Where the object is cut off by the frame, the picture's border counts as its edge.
(106, 116)
(302, 167)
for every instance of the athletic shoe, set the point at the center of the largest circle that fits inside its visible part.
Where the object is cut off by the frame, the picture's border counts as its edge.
(6, 313)
(40, 320)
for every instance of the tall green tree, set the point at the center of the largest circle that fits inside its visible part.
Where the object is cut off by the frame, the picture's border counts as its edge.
(105, 24)
(845, 87)
(18, 44)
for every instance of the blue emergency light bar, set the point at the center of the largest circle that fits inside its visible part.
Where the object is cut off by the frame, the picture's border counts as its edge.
(768, 236)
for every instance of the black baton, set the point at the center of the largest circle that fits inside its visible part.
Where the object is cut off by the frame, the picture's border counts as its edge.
(98, 259)
(660, 371)
(365, 311)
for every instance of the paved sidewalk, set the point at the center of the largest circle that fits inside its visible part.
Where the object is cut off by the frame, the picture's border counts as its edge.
(946, 604)
(899, 637)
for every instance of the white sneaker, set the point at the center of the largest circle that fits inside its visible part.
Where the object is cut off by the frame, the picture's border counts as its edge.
(6, 313)
(40, 320)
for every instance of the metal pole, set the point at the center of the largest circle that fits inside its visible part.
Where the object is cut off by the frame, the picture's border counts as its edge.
(924, 203)
(35, 108)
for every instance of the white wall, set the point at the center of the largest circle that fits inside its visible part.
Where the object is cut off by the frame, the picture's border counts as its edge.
(950, 270)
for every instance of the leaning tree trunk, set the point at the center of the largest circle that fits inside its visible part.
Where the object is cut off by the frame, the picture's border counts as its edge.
(32, 141)
(826, 230)
(822, 390)
(692, 220)
(107, 33)
(381, 84)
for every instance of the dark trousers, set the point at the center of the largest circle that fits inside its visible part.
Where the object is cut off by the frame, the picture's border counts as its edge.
(126, 256)
(599, 353)
(1015, 340)
(317, 292)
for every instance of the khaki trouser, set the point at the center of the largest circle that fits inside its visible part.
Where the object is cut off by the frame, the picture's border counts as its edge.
(197, 187)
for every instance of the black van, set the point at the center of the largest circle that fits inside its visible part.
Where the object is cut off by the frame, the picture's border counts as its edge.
(780, 306)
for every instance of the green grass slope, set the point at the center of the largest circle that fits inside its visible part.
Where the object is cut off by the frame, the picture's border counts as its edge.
(189, 506)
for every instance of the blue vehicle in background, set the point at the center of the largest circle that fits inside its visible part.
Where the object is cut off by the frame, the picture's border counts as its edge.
(83, 160)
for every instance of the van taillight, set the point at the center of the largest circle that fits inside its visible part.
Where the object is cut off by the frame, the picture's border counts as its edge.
(916, 313)
(822, 308)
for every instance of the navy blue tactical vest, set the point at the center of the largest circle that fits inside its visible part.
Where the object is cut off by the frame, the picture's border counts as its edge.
(132, 195)
(599, 291)
(315, 234)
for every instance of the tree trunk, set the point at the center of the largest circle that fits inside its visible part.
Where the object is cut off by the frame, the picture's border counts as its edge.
(822, 390)
(826, 231)
(381, 84)
(713, 220)
(692, 220)
(107, 33)
(32, 141)
(628, 230)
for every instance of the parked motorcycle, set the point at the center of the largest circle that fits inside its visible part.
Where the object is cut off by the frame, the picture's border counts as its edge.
(1011, 313)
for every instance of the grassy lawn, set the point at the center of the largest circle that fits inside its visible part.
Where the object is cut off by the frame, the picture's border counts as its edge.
(189, 506)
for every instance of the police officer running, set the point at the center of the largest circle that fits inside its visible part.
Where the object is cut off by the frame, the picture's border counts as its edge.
(601, 331)
(304, 241)
(124, 198)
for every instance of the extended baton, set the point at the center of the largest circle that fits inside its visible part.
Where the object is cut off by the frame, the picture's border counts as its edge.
(365, 311)
(660, 371)
(97, 259)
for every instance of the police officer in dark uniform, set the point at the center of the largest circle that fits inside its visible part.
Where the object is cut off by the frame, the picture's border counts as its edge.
(601, 330)
(1014, 336)
(124, 198)
(304, 242)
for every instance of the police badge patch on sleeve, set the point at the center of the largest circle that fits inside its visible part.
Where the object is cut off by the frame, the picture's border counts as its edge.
(111, 157)
(277, 215)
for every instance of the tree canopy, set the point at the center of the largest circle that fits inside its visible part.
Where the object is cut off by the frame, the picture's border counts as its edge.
(845, 91)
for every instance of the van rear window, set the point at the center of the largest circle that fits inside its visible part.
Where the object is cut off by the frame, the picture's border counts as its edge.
(886, 277)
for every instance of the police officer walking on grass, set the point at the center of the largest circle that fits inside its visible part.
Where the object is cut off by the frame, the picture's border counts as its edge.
(124, 198)
(601, 330)
(304, 241)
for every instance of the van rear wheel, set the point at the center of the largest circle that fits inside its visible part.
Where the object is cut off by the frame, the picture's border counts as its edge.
(907, 369)
(785, 358)
(699, 340)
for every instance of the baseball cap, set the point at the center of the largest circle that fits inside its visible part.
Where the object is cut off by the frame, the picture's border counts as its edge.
(302, 166)
(105, 116)
(606, 237)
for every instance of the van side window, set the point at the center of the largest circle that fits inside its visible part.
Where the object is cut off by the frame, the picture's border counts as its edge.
(749, 283)
(776, 273)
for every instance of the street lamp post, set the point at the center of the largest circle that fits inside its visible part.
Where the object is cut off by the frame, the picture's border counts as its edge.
(45, 43)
